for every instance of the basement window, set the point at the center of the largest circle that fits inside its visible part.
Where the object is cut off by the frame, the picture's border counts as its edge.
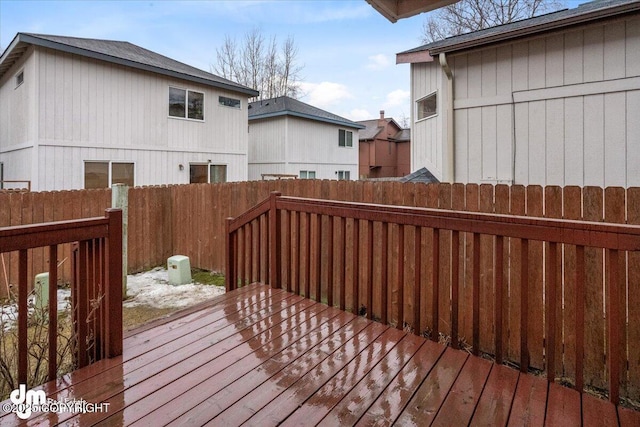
(344, 175)
(427, 107)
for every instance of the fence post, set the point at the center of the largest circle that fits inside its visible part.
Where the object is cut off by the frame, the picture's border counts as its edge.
(274, 241)
(114, 281)
(120, 200)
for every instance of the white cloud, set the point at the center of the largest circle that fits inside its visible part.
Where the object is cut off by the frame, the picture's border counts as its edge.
(325, 94)
(358, 114)
(377, 62)
(397, 97)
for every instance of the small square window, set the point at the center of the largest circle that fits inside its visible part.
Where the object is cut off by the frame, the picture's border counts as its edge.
(344, 175)
(307, 174)
(345, 138)
(19, 78)
(427, 107)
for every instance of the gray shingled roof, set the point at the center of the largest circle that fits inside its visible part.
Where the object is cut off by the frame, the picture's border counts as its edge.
(597, 9)
(123, 53)
(403, 136)
(284, 105)
(421, 175)
(370, 131)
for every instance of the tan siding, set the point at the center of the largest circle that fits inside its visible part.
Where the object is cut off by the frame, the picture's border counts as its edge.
(633, 135)
(567, 88)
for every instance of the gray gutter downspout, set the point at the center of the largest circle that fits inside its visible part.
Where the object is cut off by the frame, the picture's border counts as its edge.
(450, 128)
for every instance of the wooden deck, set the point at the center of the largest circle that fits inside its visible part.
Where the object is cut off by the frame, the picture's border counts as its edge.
(263, 356)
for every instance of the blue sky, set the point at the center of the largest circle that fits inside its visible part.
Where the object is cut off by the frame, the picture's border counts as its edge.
(347, 48)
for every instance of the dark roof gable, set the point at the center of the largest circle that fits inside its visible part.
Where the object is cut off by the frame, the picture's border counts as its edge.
(284, 105)
(594, 10)
(119, 52)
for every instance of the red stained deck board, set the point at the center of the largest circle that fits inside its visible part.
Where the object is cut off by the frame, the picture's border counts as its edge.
(242, 410)
(428, 399)
(260, 336)
(563, 406)
(264, 356)
(362, 396)
(628, 417)
(461, 402)
(282, 406)
(495, 402)
(331, 393)
(598, 412)
(530, 402)
(198, 408)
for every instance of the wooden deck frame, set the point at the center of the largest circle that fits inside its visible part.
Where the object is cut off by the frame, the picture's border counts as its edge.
(441, 236)
(264, 356)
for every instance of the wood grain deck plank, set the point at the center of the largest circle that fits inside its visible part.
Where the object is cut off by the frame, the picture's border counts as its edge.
(497, 396)
(364, 394)
(395, 397)
(173, 365)
(628, 417)
(330, 394)
(297, 393)
(229, 358)
(222, 392)
(428, 399)
(563, 406)
(530, 401)
(465, 393)
(242, 410)
(598, 412)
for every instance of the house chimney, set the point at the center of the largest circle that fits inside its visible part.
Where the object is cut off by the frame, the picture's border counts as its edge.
(381, 121)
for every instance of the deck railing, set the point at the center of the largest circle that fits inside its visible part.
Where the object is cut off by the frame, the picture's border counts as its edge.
(516, 288)
(96, 287)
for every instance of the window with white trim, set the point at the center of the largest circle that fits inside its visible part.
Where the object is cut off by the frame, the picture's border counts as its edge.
(104, 174)
(186, 104)
(427, 107)
(345, 138)
(307, 174)
(344, 175)
(202, 173)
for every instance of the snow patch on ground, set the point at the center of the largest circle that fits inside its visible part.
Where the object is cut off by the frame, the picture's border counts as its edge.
(152, 288)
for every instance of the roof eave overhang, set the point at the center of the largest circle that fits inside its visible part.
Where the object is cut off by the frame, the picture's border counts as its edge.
(394, 10)
(414, 57)
(26, 38)
(306, 116)
(536, 29)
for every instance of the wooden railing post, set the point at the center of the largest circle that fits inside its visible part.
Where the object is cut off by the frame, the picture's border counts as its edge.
(230, 281)
(274, 241)
(114, 284)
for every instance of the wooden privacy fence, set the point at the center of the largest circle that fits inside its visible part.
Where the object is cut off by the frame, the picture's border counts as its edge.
(96, 285)
(547, 294)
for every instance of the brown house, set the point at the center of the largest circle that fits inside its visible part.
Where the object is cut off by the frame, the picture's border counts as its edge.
(384, 149)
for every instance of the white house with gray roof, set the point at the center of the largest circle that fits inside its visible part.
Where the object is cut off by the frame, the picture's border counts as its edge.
(84, 113)
(551, 100)
(289, 137)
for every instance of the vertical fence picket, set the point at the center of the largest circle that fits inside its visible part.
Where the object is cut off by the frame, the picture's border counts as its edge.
(633, 287)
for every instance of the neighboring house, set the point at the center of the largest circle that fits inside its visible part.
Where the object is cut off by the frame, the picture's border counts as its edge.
(289, 137)
(551, 100)
(384, 148)
(84, 113)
